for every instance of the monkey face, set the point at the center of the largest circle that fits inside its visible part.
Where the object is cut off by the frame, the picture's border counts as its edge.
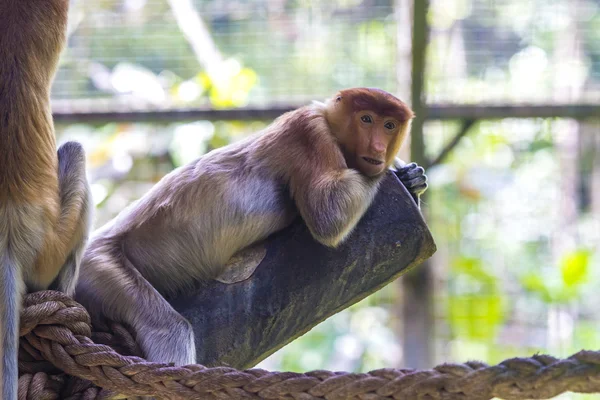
(370, 125)
(373, 135)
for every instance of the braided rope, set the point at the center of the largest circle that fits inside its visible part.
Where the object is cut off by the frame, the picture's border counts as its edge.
(59, 360)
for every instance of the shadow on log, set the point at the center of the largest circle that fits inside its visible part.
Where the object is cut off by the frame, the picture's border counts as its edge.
(300, 282)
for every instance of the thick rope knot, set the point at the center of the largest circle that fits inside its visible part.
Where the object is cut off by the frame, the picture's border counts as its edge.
(59, 360)
(54, 308)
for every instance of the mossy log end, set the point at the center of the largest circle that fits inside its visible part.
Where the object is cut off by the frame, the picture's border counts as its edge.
(300, 282)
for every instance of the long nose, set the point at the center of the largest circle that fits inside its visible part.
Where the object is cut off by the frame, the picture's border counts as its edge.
(377, 145)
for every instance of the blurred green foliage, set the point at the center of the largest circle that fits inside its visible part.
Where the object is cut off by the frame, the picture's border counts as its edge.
(476, 307)
(573, 272)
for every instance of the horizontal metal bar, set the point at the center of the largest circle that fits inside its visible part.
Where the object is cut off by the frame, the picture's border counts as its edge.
(433, 112)
(166, 116)
(474, 112)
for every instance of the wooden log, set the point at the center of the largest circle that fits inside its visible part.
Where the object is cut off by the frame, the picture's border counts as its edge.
(300, 282)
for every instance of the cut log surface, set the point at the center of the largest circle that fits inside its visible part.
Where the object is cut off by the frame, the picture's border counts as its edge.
(300, 282)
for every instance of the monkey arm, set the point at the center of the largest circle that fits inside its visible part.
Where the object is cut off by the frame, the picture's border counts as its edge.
(76, 211)
(331, 203)
(331, 198)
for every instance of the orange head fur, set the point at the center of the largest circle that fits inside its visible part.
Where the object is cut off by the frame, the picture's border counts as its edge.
(370, 126)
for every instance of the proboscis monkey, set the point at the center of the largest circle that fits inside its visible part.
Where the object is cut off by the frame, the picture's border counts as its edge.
(45, 208)
(323, 162)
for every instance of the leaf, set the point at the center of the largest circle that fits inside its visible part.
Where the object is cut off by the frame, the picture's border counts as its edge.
(476, 317)
(575, 267)
(473, 267)
(534, 283)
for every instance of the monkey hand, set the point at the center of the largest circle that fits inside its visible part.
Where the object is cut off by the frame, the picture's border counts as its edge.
(412, 177)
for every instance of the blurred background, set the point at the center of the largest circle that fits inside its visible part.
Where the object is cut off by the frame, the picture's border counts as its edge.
(507, 97)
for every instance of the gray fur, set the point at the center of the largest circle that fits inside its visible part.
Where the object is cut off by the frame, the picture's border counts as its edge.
(189, 247)
(192, 223)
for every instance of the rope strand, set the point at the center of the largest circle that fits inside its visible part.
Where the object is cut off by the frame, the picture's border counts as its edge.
(59, 360)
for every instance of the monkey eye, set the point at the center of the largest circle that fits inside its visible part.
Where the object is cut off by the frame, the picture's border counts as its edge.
(339, 98)
(390, 125)
(366, 118)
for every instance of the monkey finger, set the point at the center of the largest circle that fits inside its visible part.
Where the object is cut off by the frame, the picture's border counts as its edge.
(412, 168)
(412, 174)
(417, 181)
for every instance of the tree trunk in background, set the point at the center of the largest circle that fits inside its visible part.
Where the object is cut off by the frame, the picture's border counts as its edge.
(568, 55)
(451, 48)
(589, 177)
(592, 135)
(403, 18)
(417, 288)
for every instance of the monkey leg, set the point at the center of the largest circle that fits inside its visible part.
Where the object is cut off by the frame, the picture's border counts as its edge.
(162, 333)
(412, 177)
(110, 286)
(76, 212)
(243, 264)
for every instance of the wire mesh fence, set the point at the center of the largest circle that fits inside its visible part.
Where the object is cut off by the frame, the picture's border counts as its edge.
(169, 54)
(507, 51)
(160, 54)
